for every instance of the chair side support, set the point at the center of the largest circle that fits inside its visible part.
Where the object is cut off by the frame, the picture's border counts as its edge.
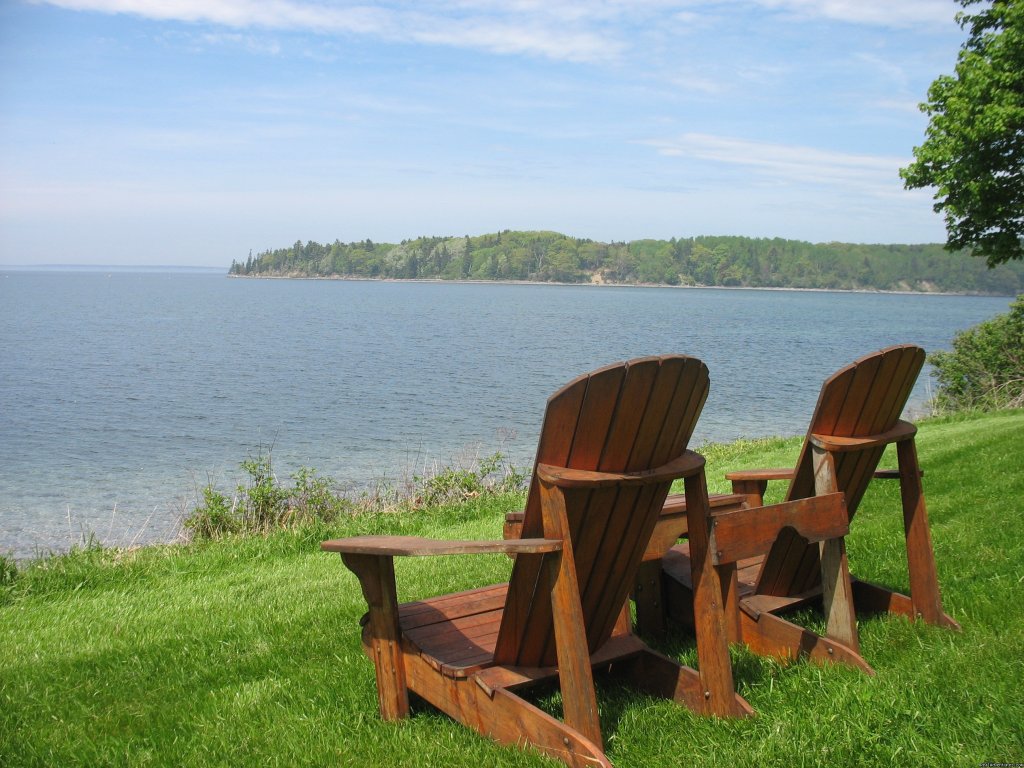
(576, 678)
(371, 559)
(925, 600)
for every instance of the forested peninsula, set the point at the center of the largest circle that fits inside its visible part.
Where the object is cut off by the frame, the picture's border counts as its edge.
(724, 261)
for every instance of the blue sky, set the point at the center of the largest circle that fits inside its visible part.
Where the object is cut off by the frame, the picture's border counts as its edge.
(189, 132)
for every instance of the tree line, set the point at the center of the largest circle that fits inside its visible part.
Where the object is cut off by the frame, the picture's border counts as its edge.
(706, 261)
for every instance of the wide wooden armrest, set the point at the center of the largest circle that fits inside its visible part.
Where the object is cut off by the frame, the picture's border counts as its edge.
(748, 532)
(777, 473)
(903, 430)
(415, 546)
(684, 466)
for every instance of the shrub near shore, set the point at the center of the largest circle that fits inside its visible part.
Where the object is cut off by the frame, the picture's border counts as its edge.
(985, 368)
(263, 504)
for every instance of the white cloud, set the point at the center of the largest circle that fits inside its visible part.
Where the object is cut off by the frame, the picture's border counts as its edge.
(512, 37)
(564, 30)
(789, 164)
(477, 25)
(275, 14)
(248, 42)
(885, 13)
(692, 80)
(894, 73)
(907, 106)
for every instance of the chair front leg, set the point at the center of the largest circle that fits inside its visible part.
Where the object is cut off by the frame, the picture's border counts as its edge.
(377, 578)
(710, 624)
(754, 490)
(837, 591)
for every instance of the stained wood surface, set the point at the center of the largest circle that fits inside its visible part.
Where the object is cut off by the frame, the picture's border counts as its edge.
(565, 477)
(750, 532)
(414, 546)
(863, 399)
(857, 416)
(839, 444)
(620, 419)
(611, 445)
(776, 473)
(377, 579)
(671, 525)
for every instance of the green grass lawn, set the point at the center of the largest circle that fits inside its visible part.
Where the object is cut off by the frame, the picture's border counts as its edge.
(247, 651)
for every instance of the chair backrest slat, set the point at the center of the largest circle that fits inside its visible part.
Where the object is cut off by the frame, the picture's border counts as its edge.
(627, 417)
(864, 398)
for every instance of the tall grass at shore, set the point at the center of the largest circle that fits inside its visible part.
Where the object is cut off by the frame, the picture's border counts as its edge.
(245, 650)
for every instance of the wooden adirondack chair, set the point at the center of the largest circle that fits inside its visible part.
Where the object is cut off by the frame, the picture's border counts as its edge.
(611, 444)
(856, 417)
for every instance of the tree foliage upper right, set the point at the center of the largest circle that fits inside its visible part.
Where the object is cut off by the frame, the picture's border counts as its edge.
(973, 152)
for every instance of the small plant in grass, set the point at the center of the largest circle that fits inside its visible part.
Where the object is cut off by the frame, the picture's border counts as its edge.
(493, 474)
(384, 494)
(263, 504)
(313, 499)
(214, 517)
(8, 571)
(257, 506)
(264, 499)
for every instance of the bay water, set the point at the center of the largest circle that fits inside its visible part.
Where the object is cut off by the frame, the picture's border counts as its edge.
(123, 393)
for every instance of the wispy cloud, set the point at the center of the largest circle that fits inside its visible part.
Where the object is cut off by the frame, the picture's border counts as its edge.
(273, 14)
(884, 13)
(564, 30)
(886, 68)
(517, 28)
(694, 80)
(248, 42)
(905, 106)
(785, 163)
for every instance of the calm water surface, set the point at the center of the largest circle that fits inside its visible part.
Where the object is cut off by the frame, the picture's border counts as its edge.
(122, 393)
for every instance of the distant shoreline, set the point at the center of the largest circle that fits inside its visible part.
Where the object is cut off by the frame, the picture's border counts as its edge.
(171, 270)
(606, 284)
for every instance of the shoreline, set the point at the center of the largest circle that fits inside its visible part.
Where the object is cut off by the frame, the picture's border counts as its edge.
(604, 284)
(174, 534)
(170, 530)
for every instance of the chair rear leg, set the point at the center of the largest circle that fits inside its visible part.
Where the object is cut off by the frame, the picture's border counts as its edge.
(837, 594)
(924, 580)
